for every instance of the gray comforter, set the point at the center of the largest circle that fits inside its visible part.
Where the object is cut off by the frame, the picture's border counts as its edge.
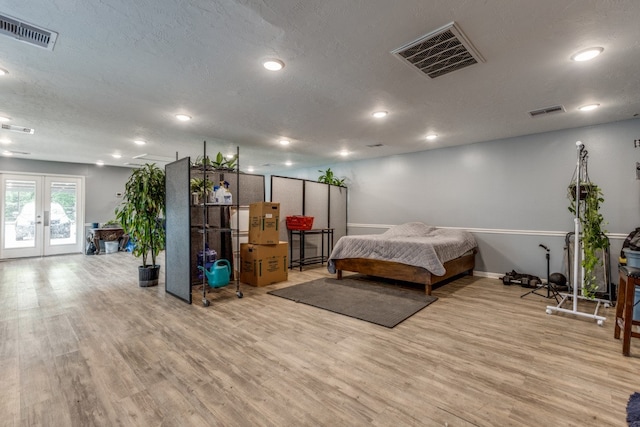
(413, 243)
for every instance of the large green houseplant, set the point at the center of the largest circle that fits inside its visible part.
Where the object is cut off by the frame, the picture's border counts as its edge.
(593, 238)
(328, 177)
(140, 215)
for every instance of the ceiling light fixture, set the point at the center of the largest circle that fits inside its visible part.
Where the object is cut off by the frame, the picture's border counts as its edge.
(344, 153)
(116, 156)
(4, 119)
(588, 107)
(284, 142)
(273, 64)
(140, 141)
(100, 163)
(432, 136)
(379, 114)
(250, 169)
(183, 117)
(5, 141)
(587, 54)
(7, 153)
(288, 163)
(3, 72)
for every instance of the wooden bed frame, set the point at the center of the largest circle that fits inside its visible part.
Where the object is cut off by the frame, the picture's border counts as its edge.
(405, 272)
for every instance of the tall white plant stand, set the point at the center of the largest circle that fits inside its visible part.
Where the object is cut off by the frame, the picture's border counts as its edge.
(578, 272)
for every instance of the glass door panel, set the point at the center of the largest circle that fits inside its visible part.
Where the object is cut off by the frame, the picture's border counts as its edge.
(61, 213)
(22, 224)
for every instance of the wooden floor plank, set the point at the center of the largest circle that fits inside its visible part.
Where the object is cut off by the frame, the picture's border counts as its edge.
(81, 344)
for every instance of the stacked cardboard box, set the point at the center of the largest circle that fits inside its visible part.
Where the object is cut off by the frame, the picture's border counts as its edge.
(263, 260)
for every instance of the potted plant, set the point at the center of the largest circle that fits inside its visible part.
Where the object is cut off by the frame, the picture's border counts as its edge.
(328, 177)
(593, 236)
(200, 189)
(219, 163)
(141, 216)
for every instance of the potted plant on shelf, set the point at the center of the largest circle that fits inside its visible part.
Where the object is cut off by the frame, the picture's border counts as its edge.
(200, 189)
(141, 216)
(328, 177)
(593, 236)
(219, 163)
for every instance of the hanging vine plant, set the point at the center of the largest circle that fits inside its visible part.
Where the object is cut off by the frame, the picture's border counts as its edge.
(593, 236)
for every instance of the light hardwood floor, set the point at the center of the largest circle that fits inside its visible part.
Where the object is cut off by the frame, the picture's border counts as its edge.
(81, 345)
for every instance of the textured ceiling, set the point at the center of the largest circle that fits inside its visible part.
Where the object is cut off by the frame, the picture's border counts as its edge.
(122, 69)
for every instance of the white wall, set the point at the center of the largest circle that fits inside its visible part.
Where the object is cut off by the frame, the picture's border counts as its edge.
(101, 182)
(511, 193)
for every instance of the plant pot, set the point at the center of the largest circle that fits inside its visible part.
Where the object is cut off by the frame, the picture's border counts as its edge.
(148, 276)
(585, 189)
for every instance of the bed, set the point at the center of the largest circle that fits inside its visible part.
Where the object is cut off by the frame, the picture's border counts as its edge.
(411, 252)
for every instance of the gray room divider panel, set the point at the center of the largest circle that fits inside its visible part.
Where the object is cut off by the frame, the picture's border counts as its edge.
(289, 192)
(252, 187)
(316, 203)
(178, 226)
(338, 211)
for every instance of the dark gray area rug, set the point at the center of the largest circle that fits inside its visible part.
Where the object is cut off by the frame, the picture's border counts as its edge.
(366, 299)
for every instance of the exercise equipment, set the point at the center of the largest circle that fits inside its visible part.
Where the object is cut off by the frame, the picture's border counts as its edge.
(552, 291)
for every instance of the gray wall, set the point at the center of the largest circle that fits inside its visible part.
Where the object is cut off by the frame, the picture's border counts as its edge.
(510, 193)
(101, 182)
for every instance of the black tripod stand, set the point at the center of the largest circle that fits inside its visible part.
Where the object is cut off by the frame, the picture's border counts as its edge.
(551, 290)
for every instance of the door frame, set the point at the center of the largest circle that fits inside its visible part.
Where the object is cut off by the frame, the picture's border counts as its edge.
(43, 248)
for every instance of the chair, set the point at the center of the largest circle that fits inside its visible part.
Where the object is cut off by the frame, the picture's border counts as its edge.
(629, 279)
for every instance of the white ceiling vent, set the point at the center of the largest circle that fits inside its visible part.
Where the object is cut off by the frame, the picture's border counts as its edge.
(547, 110)
(14, 128)
(440, 52)
(28, 33)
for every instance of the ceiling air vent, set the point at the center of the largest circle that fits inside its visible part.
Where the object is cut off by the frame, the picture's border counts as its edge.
(14, 128)
(440, 52)
(547, 110)
(27, 33)
(375, 145)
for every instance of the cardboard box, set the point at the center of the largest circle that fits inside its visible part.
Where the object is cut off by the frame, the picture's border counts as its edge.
(264, 223)
(262, 265)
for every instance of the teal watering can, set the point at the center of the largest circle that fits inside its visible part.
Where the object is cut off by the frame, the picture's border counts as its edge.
(219, 274)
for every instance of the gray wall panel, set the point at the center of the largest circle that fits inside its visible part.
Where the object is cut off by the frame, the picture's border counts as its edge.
(338, 211)
(289, 193)
(316, 203)
(178, 220)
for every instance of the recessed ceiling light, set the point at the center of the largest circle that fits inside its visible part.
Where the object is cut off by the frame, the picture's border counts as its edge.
(588, 107)
(288, 163)
(3, 72)
(7, 153)
(100, 163)
(140, 141)
(379, 114)
(250, 169)
(230, 156)
(4, 119)
(587, 54)
(116, 156)
(344, 153)
(5, 141)
(273, 64)
(284, 142)
(432, 136)
(183, 117)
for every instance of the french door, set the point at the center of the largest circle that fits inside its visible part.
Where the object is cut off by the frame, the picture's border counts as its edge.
(41, 215)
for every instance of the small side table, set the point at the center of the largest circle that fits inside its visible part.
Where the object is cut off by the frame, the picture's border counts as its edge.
(101, 233)
(325, 233)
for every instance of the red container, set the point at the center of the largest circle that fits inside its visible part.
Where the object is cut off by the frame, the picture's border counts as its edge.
(299, 222)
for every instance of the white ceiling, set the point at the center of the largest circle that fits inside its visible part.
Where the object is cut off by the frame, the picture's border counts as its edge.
(122, 69)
